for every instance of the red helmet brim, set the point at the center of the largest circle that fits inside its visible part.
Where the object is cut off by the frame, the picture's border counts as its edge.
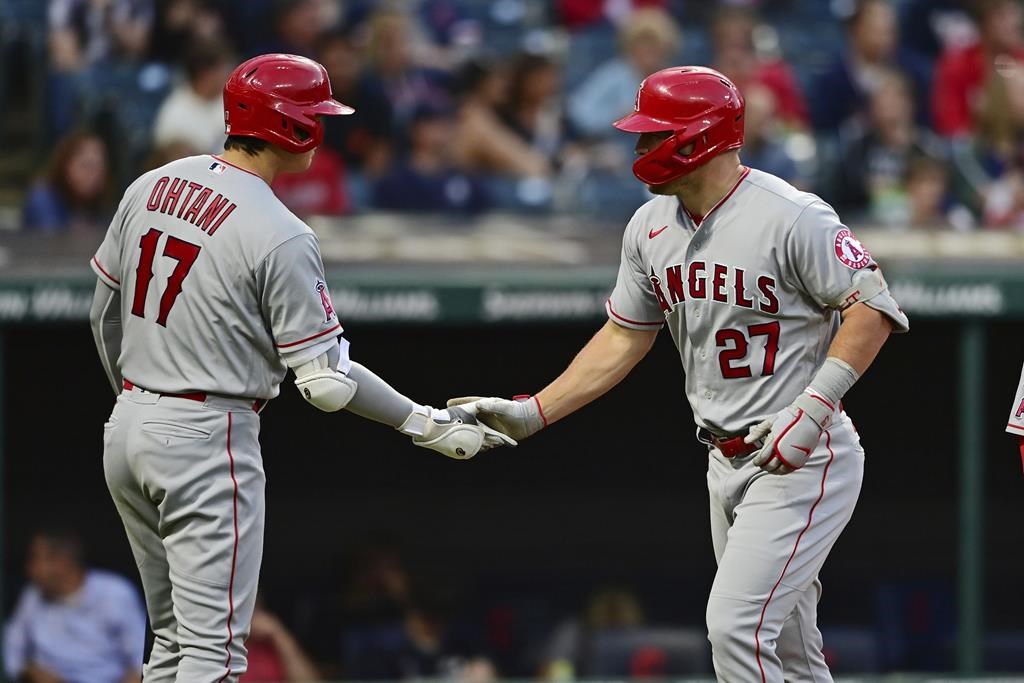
(641, 123)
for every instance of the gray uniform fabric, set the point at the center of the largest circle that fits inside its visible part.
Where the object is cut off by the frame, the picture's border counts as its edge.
(751, 294)
(253, 286)
(217, 287)
(767, 254)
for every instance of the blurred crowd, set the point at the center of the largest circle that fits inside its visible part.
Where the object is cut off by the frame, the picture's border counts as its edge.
(381, 613)
(905, 114)
(76, 623)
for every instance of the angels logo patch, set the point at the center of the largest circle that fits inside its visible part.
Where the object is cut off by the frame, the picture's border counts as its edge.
(850, 251)
(325, 299)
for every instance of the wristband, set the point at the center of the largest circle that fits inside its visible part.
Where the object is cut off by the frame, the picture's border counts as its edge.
(834, 379)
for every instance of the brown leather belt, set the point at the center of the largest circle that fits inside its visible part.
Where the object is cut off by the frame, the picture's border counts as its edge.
(198, 396)
(729, 446)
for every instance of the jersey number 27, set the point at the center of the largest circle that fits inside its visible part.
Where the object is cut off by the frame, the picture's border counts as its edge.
(185, 253)
(734, 347)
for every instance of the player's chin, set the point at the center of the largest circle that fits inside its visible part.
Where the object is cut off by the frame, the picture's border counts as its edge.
(663, 188)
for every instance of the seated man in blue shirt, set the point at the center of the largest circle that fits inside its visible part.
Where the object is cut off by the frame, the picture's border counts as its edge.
(73, 624)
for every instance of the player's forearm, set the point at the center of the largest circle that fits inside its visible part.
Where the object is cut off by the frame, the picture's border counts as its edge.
(606, 359)
(860, 337)
(105, 320)
(377, 400)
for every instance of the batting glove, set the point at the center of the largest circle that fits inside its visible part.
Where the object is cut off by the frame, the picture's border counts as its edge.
(455, 432)
(790, 437)
(519, 418)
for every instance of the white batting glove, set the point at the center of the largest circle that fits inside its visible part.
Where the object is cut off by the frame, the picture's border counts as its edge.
(518, 418)
(455, 432)
(790, 437)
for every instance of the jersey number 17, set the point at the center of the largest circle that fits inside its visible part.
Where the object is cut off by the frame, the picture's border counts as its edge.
(185, 253)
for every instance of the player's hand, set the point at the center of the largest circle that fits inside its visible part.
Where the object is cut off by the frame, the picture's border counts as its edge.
(518, 418)
(455, 433)
(790, 437)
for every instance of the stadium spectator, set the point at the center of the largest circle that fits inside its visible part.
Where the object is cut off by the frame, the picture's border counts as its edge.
(426, 180)
(962, 72)
(420, 644)
(929, 26)
(319, 191)
(86, 39)
(533, 108)
(75, 190)
(927, 195)
(764, 145)
(165, 154)
(181, 23)
(298, 25)
(193, 113)
(991, 168)
(608, 610)
(84, 33)
(363, 139)
(876, 154)
(73, 623)
(392, 68)
(872, 50)
(380, 586)
(735, 55)
(482, 143)
(647, 43)
(275, 655)
(578, 14)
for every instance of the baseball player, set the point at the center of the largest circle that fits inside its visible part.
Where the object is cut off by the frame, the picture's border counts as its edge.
(776, 310)
(1016, 422)
(209, 290)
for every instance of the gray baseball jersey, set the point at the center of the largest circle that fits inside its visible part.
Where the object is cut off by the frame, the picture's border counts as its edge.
(218, 280)
(751, 293)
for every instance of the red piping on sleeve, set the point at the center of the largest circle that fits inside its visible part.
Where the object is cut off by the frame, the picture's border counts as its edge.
(104, 271)
(336, 328)
(627, 320)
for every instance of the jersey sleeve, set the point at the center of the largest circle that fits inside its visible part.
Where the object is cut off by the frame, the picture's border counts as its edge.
(831, 266)
(1016, 423)
(632, 303)
(106, 262)
(294, 297)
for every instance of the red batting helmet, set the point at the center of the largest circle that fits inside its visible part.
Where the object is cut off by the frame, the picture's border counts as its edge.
(278, 98)
(697, 105)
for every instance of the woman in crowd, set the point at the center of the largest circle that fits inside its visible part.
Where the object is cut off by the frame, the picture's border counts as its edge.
(74, 192)
(482, 142)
